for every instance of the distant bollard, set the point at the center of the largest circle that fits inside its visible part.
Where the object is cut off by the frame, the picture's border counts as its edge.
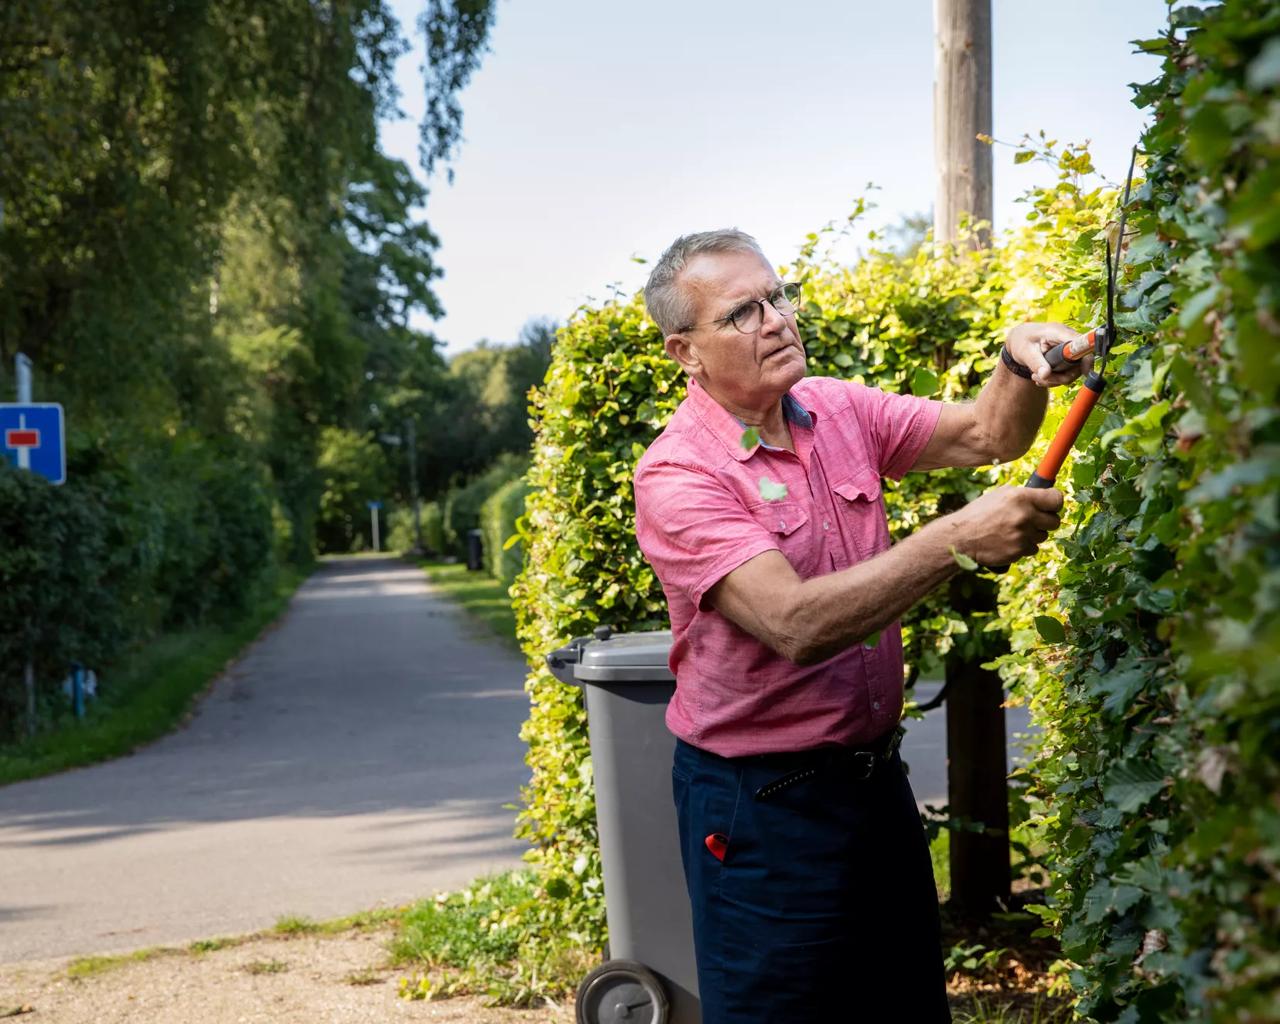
(475, 550)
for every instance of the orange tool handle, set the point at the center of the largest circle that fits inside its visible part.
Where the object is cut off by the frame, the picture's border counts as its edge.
(1086, 398)
(1073, 351)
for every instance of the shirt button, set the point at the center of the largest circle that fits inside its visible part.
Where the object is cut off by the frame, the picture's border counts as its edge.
(875, 704)
(826, 525)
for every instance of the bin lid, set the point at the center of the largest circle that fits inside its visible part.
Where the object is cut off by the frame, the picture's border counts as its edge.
(627, 657)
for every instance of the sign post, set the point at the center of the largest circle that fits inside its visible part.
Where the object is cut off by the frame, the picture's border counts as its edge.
(373, 518)
(34, 442)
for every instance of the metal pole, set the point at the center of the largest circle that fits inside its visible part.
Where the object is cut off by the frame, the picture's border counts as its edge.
(411, 432)
(373, 516)
(22, 370)
(22, 367)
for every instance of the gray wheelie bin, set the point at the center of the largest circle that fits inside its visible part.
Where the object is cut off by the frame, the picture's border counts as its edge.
(651, 975)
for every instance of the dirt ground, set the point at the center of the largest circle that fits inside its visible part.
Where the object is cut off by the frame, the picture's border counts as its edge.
(326, 979)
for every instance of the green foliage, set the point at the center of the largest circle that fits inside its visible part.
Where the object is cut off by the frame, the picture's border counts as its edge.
(499, 518)
(1160, 767)
(433, 527)
(133, 542)
(354, 472)
(474, 941)
(462, 504)
(607, 394)
(212, 266)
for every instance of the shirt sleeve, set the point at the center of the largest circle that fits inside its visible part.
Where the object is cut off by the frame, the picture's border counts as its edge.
(692, 529)
(899, 426)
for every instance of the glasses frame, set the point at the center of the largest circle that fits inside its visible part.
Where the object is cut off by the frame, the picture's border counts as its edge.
(778, 293)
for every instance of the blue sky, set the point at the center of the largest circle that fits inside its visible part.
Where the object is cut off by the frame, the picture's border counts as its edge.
(597, 132)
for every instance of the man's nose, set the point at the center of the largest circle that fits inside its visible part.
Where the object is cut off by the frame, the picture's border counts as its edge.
(773, 321)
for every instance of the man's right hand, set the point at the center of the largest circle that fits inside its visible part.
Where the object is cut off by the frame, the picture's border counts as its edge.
(1008, 523)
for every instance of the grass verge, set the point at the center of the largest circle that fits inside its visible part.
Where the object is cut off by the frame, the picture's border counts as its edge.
(147, 694)
(480, 595)
(487, 939)
(285, 928)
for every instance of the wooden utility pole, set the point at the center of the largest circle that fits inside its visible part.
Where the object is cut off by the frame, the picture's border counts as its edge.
(977, 787)
(961, 112)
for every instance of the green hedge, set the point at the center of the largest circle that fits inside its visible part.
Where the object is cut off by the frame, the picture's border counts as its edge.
(499, 517)
(131, 544)
(1162, 696)
(462, 504)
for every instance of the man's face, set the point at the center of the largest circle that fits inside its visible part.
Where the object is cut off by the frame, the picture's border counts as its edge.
(750, 370)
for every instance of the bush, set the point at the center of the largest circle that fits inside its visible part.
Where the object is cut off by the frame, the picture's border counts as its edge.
(499, 517)
(1159, 685)
(400, 533)
(129, 545)
(354, 471)
(433, 527)
(462, 504)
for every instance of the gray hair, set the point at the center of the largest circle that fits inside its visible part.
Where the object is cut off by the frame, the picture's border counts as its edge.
(668, 305)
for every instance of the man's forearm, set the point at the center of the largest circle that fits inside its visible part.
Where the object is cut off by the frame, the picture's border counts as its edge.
(1009, 410)
(826, 614)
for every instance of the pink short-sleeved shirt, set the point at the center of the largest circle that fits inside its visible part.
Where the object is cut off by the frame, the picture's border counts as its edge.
(700, 515)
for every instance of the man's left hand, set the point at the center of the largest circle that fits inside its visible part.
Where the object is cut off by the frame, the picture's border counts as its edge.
(1029, 342)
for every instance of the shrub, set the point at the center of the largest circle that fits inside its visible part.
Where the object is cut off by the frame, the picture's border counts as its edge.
(433, 527)
(130, 544)
(462, 504)
(499, 516)
(400, 534)
(1159, 686)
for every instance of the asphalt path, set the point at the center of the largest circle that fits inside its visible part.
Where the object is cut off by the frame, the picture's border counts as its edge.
(924, 748)
(364, 752)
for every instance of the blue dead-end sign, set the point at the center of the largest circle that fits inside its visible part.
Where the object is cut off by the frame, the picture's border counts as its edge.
(31, 437)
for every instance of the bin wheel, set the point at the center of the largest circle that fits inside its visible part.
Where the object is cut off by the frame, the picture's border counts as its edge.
(621, 992)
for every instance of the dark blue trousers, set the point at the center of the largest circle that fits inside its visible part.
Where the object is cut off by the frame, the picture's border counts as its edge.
(823, 909)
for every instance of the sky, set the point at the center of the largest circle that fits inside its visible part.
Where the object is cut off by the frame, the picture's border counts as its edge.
(595, 133)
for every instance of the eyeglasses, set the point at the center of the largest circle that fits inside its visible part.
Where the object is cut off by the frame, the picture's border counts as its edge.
(748, 317)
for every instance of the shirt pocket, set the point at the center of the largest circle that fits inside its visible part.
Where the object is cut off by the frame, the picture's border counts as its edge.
(789, 523)
(861, 509)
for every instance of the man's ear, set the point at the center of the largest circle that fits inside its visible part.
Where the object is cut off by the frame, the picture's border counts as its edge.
(680, 348)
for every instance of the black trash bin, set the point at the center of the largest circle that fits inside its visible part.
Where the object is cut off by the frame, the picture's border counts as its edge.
(651, 976)
(475, 550)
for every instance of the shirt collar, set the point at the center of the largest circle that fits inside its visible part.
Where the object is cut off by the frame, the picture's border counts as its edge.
(729, 429)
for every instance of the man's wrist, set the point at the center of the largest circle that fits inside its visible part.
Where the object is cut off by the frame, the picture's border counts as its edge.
(1014, 366)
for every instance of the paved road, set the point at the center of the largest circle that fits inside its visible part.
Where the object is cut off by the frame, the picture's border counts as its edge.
(925, 746)
(359, 754)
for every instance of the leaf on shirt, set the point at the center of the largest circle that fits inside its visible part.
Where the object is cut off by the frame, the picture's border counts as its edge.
(750, 438)
(963, 560)
(871, 641)
(771, 491)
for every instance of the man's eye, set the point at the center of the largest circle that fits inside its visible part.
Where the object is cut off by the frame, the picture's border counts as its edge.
(742, 312)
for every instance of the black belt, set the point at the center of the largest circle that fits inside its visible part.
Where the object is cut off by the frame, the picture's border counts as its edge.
(855, 763)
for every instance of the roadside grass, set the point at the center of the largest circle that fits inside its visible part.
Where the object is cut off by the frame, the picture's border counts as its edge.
(147, 694)
(479, 594)
(287, 927)
(479, 941)
(89, 966)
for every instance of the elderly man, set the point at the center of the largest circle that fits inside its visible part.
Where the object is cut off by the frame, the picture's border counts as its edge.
(807, 868)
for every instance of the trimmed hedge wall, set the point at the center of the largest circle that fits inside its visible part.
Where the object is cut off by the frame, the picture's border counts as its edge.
(132, 543)
(499, 519)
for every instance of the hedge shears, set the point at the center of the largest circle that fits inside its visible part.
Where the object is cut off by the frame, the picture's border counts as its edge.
(1098, 340)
